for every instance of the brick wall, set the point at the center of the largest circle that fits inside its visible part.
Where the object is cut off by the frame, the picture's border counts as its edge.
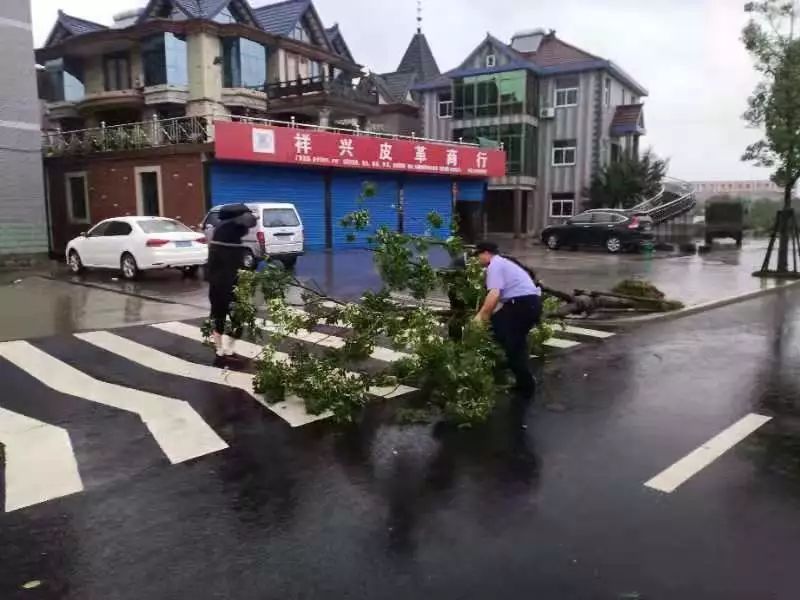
(112, 190)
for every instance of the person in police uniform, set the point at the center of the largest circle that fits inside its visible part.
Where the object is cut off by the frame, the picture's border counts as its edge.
(513, 289)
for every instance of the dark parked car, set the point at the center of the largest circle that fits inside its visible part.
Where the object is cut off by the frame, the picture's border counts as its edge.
(614, 230)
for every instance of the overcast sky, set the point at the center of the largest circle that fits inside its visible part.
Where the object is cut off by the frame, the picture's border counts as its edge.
(686, 52)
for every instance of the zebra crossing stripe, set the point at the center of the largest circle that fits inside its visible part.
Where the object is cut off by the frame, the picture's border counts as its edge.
(40, 461)
(254, 351)
(582, 331)
(333, 341)
(180, 432)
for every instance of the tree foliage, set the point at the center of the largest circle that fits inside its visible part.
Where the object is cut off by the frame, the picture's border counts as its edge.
(625, 183)
(774, 106)
(452, 360)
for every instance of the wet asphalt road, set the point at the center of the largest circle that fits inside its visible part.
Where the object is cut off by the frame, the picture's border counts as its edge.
(556, 509)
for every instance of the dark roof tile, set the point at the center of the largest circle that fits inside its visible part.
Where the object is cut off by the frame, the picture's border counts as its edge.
(78, 26)
(555, 52)
(419, 59)
(281, 17)
(628, 118)
(396, 86)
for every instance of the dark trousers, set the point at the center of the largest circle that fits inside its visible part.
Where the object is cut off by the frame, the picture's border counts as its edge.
(511, 326)
(221, 297)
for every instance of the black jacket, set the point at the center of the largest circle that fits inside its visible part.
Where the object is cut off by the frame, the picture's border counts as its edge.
(225, 250)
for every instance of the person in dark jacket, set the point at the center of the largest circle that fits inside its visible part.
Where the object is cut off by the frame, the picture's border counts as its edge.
(225, 258)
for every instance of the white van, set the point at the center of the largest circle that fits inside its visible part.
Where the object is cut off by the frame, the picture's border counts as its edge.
(278, 233)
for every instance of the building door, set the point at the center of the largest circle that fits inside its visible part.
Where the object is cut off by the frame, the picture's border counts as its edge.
(150, 198)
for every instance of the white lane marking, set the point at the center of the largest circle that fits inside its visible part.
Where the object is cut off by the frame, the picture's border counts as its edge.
(334, 341)
(291, 410)
(40, 462)
(671, 478)
(592, 333)
(254, 351)
(561, 344)
(176, 427)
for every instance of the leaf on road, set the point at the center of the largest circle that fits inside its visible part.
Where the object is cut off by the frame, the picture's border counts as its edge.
(31, 585)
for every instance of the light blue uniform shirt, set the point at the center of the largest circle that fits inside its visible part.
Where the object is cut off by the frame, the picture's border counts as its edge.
(511, 280)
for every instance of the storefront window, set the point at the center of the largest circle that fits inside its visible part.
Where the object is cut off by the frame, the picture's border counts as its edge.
(165, 61)
(519, 141)
(245, 63)
(65, 79)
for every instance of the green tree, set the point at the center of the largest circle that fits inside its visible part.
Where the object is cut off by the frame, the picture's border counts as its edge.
(627, 182)
(774, 106)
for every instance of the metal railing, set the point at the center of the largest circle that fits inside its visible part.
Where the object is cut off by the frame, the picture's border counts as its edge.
(349, 131)
(131, 136)
(320, 85)
(675, 198)
(180, 130)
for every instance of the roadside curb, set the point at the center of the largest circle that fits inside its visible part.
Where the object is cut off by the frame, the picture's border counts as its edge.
(97, 286)
(689, 310)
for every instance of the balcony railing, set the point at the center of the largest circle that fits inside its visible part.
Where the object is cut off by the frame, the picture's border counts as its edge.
(321, 85)
(132, 136)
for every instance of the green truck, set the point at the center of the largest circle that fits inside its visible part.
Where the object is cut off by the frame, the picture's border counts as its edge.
(725, 219)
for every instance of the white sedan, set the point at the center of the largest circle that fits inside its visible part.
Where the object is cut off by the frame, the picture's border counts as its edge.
(134, 244)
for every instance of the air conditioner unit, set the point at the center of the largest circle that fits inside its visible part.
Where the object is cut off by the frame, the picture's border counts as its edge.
(548, 112)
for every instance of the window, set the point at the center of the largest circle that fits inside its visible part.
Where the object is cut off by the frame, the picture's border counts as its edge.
(65, 80)
(604, 218)
(445, 105)
(562, 205)
(491, 60)
(623, 96)
(607, 94)
(509, 93)
(165, 60)
(162, 226)
(582, 218)
(117, 70)
(300, 34)
(244, 63)
(280, 217)
(77, 198)
(616, 151)
(564, 153)
(99, 230)
(566, 92)
(118, 228)
(519, 142)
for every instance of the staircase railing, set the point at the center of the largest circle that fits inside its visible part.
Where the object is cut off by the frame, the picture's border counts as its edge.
(675, 198)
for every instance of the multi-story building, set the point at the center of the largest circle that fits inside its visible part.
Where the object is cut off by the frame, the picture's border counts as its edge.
(751, 189)
(178, 58)
(137, 120)
(23, 224)
(559, 112)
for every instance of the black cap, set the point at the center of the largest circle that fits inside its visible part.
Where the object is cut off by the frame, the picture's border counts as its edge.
(486, 247)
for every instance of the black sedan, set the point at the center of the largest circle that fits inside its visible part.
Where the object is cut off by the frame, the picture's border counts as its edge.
(614, 230)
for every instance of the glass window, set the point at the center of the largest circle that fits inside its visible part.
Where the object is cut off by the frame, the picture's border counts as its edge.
(280, 217)
(162, 226)
(512, 93)
(607, 95)
(66, 79)
(564, 153)
(562, 205)
(165, 60)
(566, 92)
(118, 228)
(99, 230)
(582, 218)
(445, 101)
(245, 63)
(77, 198)
(602, 218)
(491, 60)
(117, 72)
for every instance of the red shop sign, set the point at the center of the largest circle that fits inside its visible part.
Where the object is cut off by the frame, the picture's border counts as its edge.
(296, 146)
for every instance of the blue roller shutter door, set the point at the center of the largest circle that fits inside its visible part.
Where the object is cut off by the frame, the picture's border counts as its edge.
(345, 191)
(471, 190)
(421, 195)
(255, 183)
